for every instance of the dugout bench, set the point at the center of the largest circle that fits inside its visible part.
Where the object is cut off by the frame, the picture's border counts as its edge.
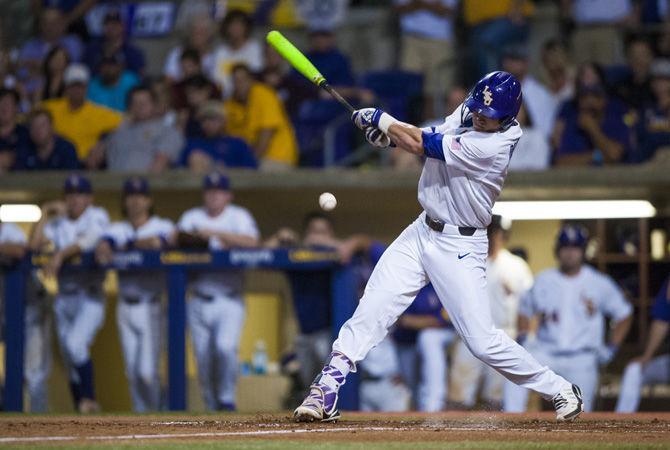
(176, 264)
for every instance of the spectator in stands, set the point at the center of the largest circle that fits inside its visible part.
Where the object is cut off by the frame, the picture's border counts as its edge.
(73, 13)
(333, 65)
(654, 125)
(598, 36)
(493, 27)
(190, 66)
(632, 81)
(427, 45)
(238, 47)
(33, 52)
(53, 73)
(142, 143)
(197, 90)
(591, 130)
(255, 113)
(533, 151)
(13, 135)
(199, 40)
(292, 89)
(45, 150)
(113, 40)
(112, 83)
(215, 150)
(164, 95)
(558, 71)
(540, 104)
(81, 121)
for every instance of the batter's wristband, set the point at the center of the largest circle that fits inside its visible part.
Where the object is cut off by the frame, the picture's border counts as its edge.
(383, 121)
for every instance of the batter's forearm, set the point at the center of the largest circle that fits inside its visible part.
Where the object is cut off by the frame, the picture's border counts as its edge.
(407, 137)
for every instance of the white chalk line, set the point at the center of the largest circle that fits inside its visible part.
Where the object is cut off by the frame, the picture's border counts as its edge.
(129, 437)
(121, 437)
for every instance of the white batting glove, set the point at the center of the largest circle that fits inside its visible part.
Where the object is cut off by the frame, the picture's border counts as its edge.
(366, 117)
(377, 138)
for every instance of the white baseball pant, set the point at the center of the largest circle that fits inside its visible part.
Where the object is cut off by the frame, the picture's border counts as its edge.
(456, 265)
(582, 367)
(140, 332)
(216, 327)
(78, 319)
(37, 358)
(635, 376)
(432, 344)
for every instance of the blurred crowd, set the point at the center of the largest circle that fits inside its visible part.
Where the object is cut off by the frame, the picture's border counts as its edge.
(596, 93)
(573, 318)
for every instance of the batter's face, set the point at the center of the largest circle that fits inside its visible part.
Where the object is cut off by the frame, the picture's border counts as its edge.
(76, 203)
(137, 204)
(570, 258)
(484, 124)
(216, 200)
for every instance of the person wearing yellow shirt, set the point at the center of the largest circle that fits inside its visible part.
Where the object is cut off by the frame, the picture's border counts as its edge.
(255, 114)
(81, 121)
(493, 26)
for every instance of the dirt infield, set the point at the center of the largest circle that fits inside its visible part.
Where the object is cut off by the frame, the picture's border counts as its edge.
(493, 430)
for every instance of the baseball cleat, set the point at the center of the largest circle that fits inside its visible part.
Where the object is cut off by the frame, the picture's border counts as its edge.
(319, 406)
(568, 404)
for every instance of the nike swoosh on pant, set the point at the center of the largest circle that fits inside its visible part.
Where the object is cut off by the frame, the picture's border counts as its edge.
(463, 256)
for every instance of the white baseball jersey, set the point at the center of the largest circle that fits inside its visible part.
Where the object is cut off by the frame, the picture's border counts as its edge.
(11, 233)
(85, 231)
(462, 189)
(572, 308)
(234, 219)
(508, 277)
(139, 284)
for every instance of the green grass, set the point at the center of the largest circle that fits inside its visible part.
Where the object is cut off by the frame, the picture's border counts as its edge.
(380, 445)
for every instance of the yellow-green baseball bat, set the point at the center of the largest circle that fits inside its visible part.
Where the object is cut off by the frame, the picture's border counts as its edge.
(303, 65)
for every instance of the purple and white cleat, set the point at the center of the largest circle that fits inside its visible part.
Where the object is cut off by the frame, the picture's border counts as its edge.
(320, 405)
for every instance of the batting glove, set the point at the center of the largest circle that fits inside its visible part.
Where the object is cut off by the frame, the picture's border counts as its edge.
(377, 138)
(366, 117)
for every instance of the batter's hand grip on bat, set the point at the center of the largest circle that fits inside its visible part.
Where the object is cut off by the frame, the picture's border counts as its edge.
(295, 57)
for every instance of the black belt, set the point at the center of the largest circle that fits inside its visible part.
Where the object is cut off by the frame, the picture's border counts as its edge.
(438, 225)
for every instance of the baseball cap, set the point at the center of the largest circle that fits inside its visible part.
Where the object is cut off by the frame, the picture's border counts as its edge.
(76, 73)
(211, 108)
(77, 184)
(572, 236)
(660, 68)
(136, 185)
(216, 180)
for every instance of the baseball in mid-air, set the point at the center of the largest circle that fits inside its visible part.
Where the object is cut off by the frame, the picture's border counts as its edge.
(327, 201)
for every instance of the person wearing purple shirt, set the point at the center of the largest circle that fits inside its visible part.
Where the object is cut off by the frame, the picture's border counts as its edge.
(113, 40)
(45, 150)
(591, 130)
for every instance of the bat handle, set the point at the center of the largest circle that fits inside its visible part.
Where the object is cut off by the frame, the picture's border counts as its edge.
(324, 85)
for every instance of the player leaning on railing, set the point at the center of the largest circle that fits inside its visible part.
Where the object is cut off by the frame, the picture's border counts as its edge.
(466, 165)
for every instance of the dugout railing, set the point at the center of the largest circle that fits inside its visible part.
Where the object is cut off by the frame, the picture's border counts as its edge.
(176, 264)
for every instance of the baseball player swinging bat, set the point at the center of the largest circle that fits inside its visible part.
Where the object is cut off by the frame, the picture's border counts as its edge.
(303, 65)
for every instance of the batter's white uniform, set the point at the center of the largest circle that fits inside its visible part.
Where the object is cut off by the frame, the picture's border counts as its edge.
(460, 191)
(37, 358)
(508, 277)
(79, 306)
(381, 388)
(572, 311)
(139, 313)
(216, 310)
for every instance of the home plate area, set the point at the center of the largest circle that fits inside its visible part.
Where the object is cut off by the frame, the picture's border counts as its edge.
(354, 431)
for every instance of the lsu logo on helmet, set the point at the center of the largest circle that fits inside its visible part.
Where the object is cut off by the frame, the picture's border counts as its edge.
(488, 96)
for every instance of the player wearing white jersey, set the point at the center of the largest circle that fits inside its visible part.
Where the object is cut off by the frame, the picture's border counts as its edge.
(571, 302)
(466, 165)
(508, 277)
(216, 307)
(139, 313)
(72, 227)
